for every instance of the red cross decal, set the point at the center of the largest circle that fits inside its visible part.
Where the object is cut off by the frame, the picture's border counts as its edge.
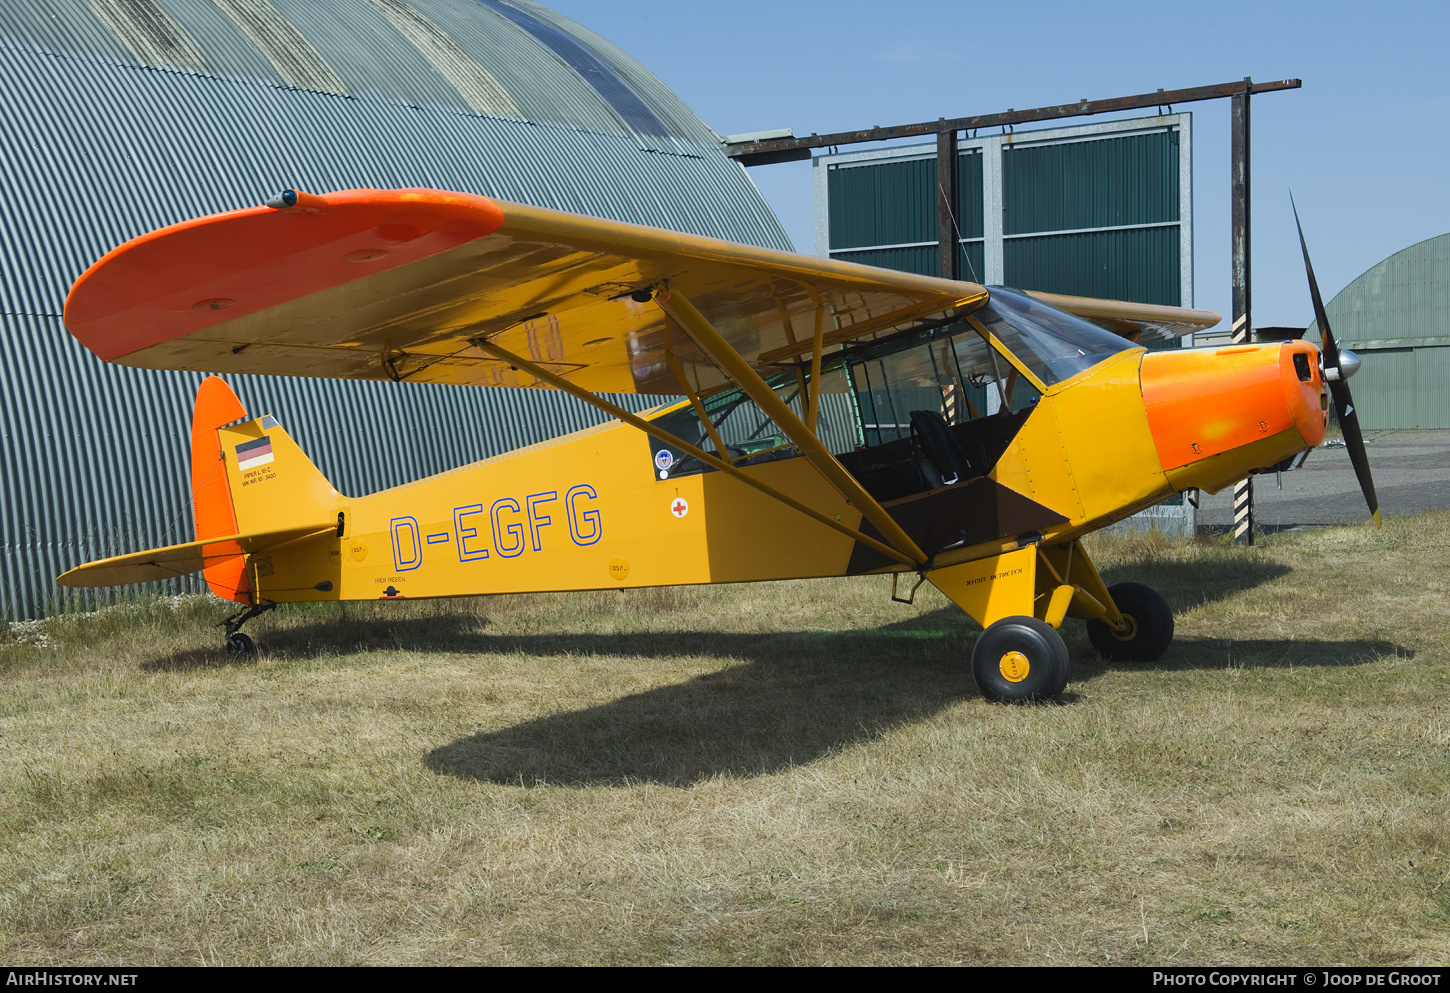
(679, 508)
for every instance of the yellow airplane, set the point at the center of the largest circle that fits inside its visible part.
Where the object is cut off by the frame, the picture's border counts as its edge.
(839, 419)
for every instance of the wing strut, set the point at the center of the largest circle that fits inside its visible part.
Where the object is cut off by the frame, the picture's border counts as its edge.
(817, 341)
(683, 313)
(559, 383)
(695, 402)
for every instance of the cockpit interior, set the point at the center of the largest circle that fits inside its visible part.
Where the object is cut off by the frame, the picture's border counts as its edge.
(930, 408)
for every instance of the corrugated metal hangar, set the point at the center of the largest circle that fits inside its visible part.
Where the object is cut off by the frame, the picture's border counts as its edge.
(126, 115)
(1396, 315)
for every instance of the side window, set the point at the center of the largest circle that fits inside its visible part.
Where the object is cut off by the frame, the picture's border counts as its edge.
(937, 407)
(838, 424)
(947, 371)
(748, 436)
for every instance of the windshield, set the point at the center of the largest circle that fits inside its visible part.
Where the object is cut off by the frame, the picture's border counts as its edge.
(1054, 344)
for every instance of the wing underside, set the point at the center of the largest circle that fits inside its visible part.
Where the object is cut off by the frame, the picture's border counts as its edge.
(1138, 322)
(401, 284)
(370, 284)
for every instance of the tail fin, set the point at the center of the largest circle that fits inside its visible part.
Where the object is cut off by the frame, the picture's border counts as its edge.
(211, 497)
(248, 477)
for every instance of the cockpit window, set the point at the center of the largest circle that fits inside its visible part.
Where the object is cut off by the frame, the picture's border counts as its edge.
(746, 434)
(1054, 344)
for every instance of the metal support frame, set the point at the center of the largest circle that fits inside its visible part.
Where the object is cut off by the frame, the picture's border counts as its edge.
(948, 228)
(734, 471)
(1243, 325)
(790, 149)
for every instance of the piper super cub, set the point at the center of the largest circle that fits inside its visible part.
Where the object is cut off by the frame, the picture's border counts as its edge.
(837, 419)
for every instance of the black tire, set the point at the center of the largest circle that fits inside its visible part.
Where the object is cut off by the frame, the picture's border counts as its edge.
(1150, 633)
(240, 644)
(1019, 659)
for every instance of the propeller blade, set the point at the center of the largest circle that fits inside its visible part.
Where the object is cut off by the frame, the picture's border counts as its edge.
(1339, 388)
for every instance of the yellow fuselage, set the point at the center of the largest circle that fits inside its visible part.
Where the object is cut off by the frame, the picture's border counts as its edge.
(590, 510)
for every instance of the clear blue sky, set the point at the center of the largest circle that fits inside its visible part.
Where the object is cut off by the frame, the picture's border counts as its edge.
(1363, 143)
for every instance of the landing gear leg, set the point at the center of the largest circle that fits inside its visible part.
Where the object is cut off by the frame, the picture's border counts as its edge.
(1127, 621)
(238, 643)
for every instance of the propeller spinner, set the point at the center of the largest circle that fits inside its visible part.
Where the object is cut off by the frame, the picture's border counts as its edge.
(1338, 367)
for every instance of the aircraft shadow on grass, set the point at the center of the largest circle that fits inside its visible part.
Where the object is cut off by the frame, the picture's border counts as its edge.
(786, 706)
(791, 698)
(1186, 585)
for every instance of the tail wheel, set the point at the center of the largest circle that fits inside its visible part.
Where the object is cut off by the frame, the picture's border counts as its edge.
(240, 644)
(1148, 628)
(1018, 659)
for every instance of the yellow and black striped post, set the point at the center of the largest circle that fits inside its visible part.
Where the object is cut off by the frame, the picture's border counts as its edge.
(1244, 511)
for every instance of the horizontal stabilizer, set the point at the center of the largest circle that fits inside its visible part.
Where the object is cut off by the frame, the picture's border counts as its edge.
(180, 560)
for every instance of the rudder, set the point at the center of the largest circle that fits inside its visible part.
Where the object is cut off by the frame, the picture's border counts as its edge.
(211, 498)
(248, 476)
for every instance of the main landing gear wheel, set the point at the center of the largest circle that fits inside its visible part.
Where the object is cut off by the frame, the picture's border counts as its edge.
(1019, 659)
(240, 644)
(1149, 630)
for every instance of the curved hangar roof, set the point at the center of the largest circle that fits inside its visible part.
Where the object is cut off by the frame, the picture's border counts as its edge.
(157, 111)
(1399, 302)
(508, 59)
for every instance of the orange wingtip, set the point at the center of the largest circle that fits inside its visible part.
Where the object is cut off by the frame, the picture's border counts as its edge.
(200, 273)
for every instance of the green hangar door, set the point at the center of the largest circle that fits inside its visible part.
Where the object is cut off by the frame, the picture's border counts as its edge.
(1101, 211)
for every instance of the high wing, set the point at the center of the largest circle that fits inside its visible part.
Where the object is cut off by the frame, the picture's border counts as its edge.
(397, 284)
(402, 284)
(1138, 322)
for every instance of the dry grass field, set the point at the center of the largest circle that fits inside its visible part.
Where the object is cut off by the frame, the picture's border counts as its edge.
(785, 773)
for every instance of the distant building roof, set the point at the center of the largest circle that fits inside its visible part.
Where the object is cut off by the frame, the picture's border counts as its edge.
(1402, 301)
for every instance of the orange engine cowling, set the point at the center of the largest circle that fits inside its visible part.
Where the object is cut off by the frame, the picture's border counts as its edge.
(1218, 414)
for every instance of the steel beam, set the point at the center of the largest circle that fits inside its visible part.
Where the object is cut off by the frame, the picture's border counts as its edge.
(776, 149)
(947, 209)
